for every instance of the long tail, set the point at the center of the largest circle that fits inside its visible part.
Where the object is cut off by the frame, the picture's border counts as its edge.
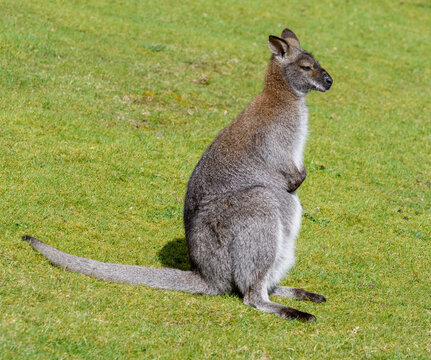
(164, 278)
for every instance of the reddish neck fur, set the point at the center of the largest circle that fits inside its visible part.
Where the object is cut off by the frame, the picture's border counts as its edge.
(276, 85)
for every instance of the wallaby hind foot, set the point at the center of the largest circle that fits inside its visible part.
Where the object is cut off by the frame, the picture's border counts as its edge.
(257, 297)
(297, 294)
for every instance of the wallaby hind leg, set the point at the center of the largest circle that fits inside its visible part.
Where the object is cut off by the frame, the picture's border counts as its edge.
(297, 294)
(257, 296)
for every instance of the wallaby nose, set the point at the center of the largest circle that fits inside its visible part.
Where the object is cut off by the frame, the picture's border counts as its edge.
(328, 81)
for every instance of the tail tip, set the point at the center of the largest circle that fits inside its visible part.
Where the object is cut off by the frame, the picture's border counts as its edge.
(27, 238)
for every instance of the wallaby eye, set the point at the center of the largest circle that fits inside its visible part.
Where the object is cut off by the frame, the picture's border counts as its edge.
(305, 68)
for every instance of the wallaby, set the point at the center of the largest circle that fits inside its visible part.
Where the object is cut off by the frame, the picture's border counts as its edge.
(241, 212)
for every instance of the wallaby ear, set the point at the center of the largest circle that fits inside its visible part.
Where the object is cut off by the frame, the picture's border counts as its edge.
(278, 46)
(290, 37)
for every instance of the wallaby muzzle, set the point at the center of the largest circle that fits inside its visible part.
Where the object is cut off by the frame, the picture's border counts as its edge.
(327, 81)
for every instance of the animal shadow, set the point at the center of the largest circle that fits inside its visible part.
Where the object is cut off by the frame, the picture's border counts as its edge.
(175, 255)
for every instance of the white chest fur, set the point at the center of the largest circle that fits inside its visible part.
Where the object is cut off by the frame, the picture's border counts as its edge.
(300, 137)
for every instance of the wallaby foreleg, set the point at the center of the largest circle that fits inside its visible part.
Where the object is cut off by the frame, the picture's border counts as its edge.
(295, 177)
(297, 294)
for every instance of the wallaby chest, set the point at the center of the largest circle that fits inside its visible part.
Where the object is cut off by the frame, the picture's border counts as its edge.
(284, 137)
(300, 134)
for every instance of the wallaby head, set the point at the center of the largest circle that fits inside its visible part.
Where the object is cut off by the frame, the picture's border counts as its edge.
(298, 68)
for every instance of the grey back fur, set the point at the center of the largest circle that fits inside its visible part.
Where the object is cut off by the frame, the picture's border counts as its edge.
(241, 212)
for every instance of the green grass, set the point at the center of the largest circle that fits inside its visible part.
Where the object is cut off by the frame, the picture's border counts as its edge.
(105, 108)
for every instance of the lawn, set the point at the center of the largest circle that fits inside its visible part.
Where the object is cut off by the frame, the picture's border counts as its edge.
(105, 108)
